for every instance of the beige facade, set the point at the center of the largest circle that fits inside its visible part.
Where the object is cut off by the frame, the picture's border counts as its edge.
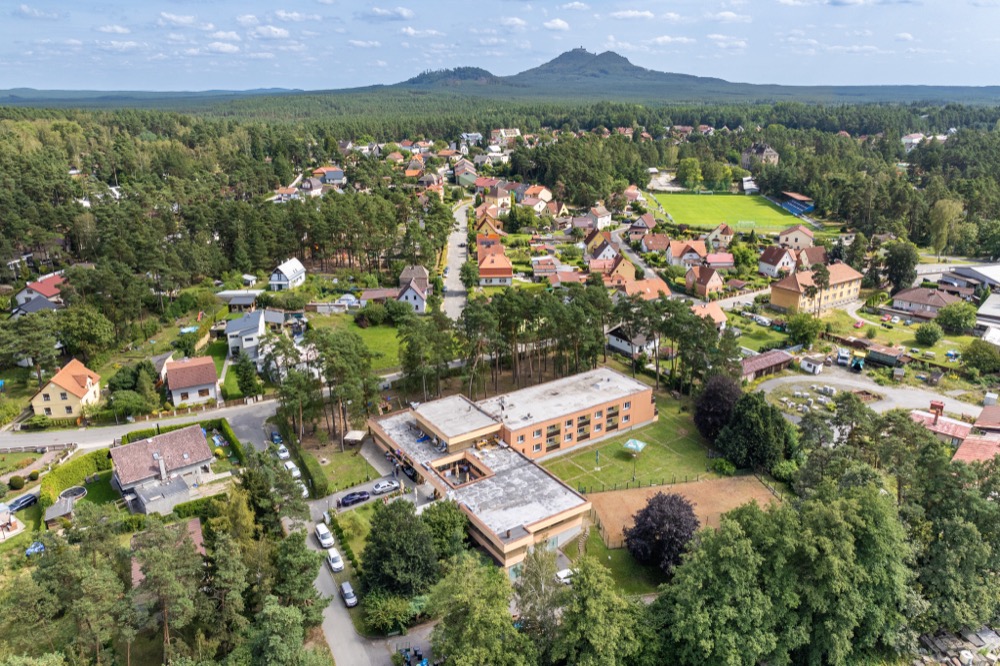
(796, 238)
(69, 391)
(792, 293)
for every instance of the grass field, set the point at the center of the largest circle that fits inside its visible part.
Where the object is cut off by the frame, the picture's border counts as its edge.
(753, 335)
(380, 340)
(630, 577)
(218, 350)
(674, 453)
(842, 323)
(702, 210)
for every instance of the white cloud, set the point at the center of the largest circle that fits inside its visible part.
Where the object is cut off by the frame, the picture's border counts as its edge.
(358, 44)
(491, 41)
(30, 12)
(904, 37)
(862, 49)
(229, 36)
(577, 6)
(269, 32)
(673, 17)
(513, 22)
(380, 63)
(413, 32)
(727, 42)
(118, 47)
(728, 17)
(222, 47)
(263, 55)
(73, 42)
(296, 17)
(663, 40)
(247, 20)
(394, 14)
(557, 24)
(114, 29)
(177, 38)
(632, 14)
(176, 19)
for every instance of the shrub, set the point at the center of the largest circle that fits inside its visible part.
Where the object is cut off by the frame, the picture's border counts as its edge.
(37, 422)
(928, 334)
(33, 475)
(386, 613)
(373, 314)
(312, 469)
(16, 482)
(723, 467)
(870, 332)
(202, 508)
(662, 531)
(217, 452)
(785, 470)
(71, 473)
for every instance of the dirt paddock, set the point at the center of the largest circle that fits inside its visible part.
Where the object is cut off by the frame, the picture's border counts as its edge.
(710, 498)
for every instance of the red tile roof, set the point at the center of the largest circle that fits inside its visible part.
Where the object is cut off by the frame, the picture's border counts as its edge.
(977, 449)
(49, 287)
(798, 227)
(496, 266)
(798, 282)
(712, 311)
(135, 462)
(650, 288)
(989, 418)
(191, 372)
(944, 426)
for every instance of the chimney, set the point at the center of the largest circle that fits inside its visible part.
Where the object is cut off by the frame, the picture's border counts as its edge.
(163, 469)
(937, 408)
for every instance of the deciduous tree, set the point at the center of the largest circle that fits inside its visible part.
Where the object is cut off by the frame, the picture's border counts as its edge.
(661, 531)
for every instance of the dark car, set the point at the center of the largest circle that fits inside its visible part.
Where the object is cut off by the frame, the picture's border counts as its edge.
(22, 502)
(410, 472)
(350, 499)
(275, 437)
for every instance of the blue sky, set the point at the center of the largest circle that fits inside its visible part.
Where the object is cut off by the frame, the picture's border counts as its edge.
(323, 44)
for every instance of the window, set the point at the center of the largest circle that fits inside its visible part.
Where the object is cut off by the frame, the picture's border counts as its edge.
(184, 396)
(203, 393)
(536, 448)
(568, 437)
(569, 423)
(627, 405)
(46, 397)
(63, 396)
(537, 433)
(599, 413)
(598, 427)
(520, 439)
(626, 418)
(48, 411)
(69, 409)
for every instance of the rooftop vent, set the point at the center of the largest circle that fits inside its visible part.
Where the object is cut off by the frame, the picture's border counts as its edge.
(156, 456)
(186, 456)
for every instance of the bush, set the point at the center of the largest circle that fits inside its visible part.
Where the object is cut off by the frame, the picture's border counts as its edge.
(313, 470)
(37, 422)
(16, 482)
(33, 475)
(373, 314)
(71, 473)
(202, 508)
(217, 452)
(928, 334)
(870, 332)
(386, 613)
(785, 470)
(723, 467)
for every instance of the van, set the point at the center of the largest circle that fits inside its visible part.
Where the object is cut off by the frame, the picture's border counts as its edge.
(843, 357)
(347, 592)
(334, 559)
(929, 354)
(565, 576)
(323, 536)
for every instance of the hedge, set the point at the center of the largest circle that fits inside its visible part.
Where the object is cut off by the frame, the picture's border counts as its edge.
(200, 507)
(222, 425)
(72, 473)
(345, 547)
(308, 465)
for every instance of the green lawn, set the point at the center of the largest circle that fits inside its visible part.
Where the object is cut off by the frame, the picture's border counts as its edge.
(842, 323)
(343, 470)
(100, 491)
(674, 451)
(32, 517)
(20, 385)
(218, 351)
(741, 212)
(11, 462)
(380, 340)
(630, 577)
(753, 335)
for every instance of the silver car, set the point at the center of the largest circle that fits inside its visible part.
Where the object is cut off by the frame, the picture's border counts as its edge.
(385, 486)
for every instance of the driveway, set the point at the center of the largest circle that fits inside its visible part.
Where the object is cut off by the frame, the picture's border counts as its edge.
(455, 295)
(894, 397)
(616, 236)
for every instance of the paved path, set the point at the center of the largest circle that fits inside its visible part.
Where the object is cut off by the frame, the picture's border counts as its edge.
(455, 295)
(616, 236)
(902, 397)
(40, 463)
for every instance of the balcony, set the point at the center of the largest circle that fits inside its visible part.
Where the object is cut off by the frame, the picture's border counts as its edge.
(552, 444)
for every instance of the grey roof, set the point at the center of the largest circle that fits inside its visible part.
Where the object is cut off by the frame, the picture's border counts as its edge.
(248, 322)
(989, 274)
(151, 492)
(37, 304)
(62, 507)
(243, 300)
(537, 404)
(160, 360)
(274, 317)
(291, 269)
(455, 415)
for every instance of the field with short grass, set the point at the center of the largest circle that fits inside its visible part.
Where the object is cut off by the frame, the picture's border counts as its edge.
(753, 335)
(380, 340)
(218, 350)
(742, 213)
(675, 452)
(630, 577)
(842, 323)
(342, 469)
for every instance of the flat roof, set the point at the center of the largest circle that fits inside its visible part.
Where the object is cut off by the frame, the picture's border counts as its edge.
(454, 416)
(537, 404)
(518, 494)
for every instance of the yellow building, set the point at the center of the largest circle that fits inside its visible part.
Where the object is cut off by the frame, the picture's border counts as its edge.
(793, 293)
(68, 392)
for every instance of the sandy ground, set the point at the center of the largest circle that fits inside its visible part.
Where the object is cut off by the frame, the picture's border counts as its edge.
(710, 498)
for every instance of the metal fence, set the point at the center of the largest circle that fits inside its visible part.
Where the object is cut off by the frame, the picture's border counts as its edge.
(638, 483)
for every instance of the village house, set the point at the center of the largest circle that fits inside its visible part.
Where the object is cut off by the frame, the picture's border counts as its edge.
(948, 430)
(649, 289)
(643, 225)
(711, 311)
(540, 192)
(703, 281)
(720, 236)
(542, 268)
(192, 381)
(977, 449)
(68, 392)
(414, 285)
(288, 275)
(46, 288)
(720, 261)
(759, 154)
(504, 136)
(601, 216)
(776, 261)
(922, 302)
(154, 475)
(798, 237)
(686, 252)
(615, 273)
(535, 204)
(244, 334)
(793, 294)
(332, 175)
(594, 240)
(811, 256)
(633, 195)
(495, 270)
(604, 250)
(654, 243)
(311, 187)
(285, 194)
(989, 420)
(634, 346)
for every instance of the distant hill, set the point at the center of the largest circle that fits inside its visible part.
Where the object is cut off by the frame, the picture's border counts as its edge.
(574, 76)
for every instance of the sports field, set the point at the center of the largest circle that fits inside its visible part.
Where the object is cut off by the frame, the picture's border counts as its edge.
(741, 212)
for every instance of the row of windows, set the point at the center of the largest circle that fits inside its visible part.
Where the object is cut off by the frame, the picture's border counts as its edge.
(568, 437)
(48, 410)
(582, 419)
(202, 393)
(47, 398)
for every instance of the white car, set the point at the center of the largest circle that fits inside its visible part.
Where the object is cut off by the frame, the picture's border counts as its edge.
(334, 559)
(566, 576)
(283, 453)
(305, 491)
(895, 320)
(385, 486)
(292, 469)
(324, 536)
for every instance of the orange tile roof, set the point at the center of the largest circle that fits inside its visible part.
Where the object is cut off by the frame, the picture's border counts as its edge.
(73, 377)
(496, 266)
(711, 310)
(798, 282)
(48, 287)
(649, 288)
(977, 449)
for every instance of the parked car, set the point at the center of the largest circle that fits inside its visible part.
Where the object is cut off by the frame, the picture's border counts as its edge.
(895, 320)
(282, 452)
(410, 472)
(305, 491)
(385, 486)
(347, 592)
(350, 499)
(22, 502)
(461, 244)
(334, 559)
(859, 324)
(886, 317)
(292, 469)
(565, 576)
(324, 536)
(275, 437)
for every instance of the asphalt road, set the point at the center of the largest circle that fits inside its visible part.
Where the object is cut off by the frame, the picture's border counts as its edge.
(455, 295)
(616, 236)
(247, 422)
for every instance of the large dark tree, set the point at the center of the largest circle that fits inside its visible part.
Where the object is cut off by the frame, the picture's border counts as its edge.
(714, 406)
(757, 436)
(400, 557)
(662, 531)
